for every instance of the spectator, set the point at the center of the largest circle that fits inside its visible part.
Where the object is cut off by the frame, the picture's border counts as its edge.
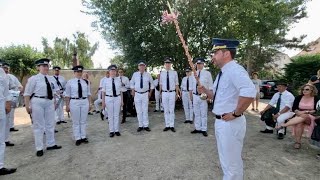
(304, 106)
(315, 80)
(257, 83)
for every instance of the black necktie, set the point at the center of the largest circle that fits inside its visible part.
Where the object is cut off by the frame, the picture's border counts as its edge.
(79, 89)
(58, 82)
(168, 83)
(188, 84)
(197, 83)
(278, 104)
(214, 97)
(49, 90)
(114, 88)
(141, 81)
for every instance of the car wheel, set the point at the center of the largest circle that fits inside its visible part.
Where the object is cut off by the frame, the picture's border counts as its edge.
(262, 95)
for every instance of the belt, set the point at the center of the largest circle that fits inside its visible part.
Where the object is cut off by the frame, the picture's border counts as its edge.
(141, 92)
(113, 96)
(196, 94)
(170, 91)
(220, 116)
(42, 97)
(79, 98)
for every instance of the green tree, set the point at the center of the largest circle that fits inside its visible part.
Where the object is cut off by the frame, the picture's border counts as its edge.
(301, 69)
(134, 27)
(63, 49)
(21, 59)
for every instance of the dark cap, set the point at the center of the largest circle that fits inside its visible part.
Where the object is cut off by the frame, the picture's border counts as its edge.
(112, 67)
(167, 60)
(42, 61)
(188, 69)
(224, 43)
(5, 65)
(57, 68)
(200, 60)
(78, 68)
(141, 63)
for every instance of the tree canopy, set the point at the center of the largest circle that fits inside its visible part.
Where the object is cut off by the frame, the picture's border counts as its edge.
(134, 27)
(63, 49)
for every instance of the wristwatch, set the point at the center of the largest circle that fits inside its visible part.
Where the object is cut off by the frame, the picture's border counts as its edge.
(235, 115)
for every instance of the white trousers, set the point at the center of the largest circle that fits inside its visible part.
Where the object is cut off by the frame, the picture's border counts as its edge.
(187, 105)
(2, 132)
(43, 122)
(141, 102)
(168, 101)
(230, 135)
(59, 111)
(79, 109)
(158, 102)
(281, 119)
(113, 105)
(9, 124)
(97, 103)
(200, 109)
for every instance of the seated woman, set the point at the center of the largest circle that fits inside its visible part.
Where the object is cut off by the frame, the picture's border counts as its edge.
(304, 106)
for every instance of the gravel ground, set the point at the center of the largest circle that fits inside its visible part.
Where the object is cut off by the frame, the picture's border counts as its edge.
(156, 154)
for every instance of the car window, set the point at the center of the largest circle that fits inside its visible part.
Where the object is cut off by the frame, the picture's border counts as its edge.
(272, 83)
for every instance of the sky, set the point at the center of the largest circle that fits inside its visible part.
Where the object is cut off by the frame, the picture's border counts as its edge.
(26, 21)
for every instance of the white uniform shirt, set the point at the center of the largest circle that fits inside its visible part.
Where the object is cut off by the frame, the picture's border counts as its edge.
(184, 83)
(286, 100)
(102, 82)
(147, 82)
(156, 84)
(14, 83)
(234, 82)
(173, 80)
(62, 81)
(205, 80)
(107, 86)
(125, 84)
(4, 88)
(72, 88)
(36, 84)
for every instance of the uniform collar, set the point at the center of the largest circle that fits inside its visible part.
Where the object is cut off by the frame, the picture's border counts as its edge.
(228, 65)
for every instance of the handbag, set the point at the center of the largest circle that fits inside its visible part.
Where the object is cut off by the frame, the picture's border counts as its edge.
(267, 117)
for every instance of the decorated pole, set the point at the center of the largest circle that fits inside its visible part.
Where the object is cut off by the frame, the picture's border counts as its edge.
(173, 17)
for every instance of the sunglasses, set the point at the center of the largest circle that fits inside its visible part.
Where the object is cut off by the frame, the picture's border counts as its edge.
(306, 89)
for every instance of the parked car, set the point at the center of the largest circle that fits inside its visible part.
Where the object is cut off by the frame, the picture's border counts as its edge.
(268, 88)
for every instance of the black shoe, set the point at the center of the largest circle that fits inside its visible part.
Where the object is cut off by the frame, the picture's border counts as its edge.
(187, 121)
(94, 111)
(78, 142)
(40, 153)
(102, 116)
(172, 129)
(280, 136)
(63, 121)
(195, 131)
(139, 129)
(155, 111)
(267, 131)
(5, 171)
(118, 133)
(59, 122)
(190, 122)
(54, 147)
(204, 133)
(85, 140)
(162, 111)
(147, 129)
(97, 112)
(13, 129)
(90, 113)
(55, 131)
(8, 143)
(111, 134)
(166, 129)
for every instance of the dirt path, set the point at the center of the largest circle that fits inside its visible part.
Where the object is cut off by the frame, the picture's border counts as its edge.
(155, 155)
